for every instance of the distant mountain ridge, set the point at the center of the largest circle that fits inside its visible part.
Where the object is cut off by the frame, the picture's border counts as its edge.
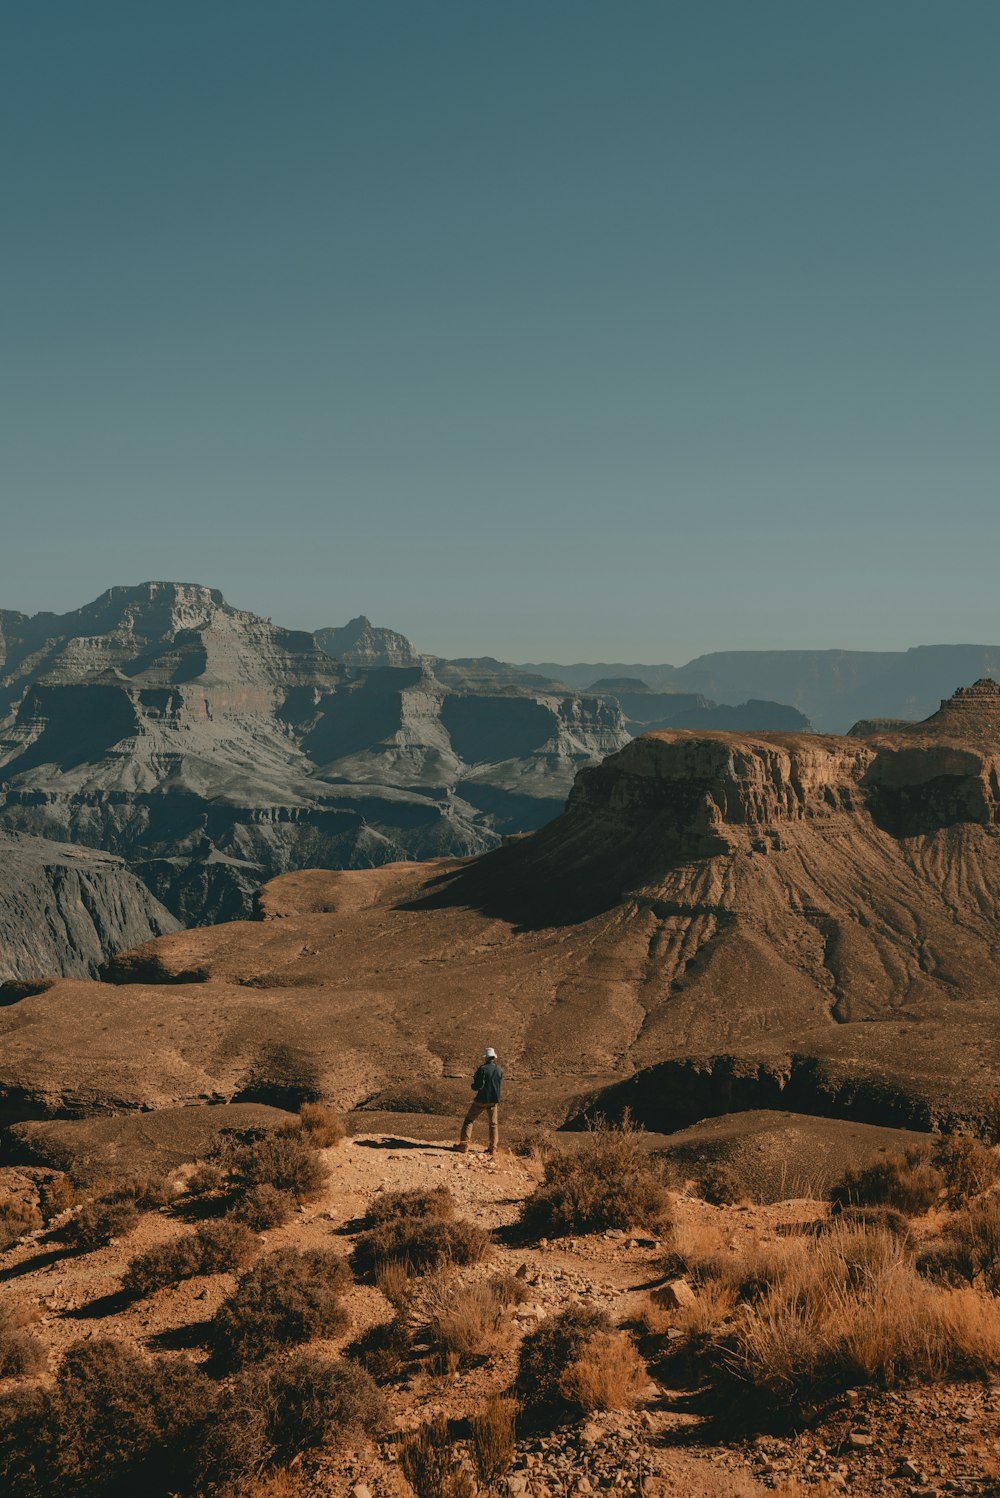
(832, 688)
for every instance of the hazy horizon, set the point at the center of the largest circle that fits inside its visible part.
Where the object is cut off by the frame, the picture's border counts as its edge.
(567, 332)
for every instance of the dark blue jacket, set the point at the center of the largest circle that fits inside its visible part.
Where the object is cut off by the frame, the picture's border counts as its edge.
(486, 1082)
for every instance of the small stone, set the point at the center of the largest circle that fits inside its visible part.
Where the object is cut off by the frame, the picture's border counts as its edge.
(361, 1490)
(674, 1295)
(860, 1441)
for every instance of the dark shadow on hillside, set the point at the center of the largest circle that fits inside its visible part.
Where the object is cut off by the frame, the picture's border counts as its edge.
(36, 1262)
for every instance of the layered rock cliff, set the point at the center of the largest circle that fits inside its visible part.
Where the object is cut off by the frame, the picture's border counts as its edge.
(65, 911)
(716, 922)
(213, 749)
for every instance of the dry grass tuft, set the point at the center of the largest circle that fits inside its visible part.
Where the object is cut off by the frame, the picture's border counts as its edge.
(968, 1166)
(323, 1127)
(461, 1322)
(493, 1440)
(21, 1352)
(17, 1219)
(606, 1374)
(428, 1461)
(907, 1180)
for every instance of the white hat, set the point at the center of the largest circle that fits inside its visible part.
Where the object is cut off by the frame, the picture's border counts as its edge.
(490, 1053)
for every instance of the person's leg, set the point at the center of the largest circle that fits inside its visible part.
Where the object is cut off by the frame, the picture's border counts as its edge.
(475, 1109)
(494, 1112)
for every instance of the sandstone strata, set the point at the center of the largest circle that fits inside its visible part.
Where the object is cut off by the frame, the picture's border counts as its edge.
(717, 922)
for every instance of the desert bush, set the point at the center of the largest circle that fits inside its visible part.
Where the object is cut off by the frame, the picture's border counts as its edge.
(493, 1440)
(509, 1289)
(606, 1374)
(419, 1244)
(395, 1282)
(56, 1197)
(148, 1191)
(20, 1350)
(206, 1178)
(392, 1206)
(885, 1219)
(113, 1423)
(264, 1207)
(548, 1350)
(531, 1144)
(282, 1159)
(462, 1322)
(428, 1462)
(382, 1350)
(323, 1127)
(287, 1297)
(907, 1180)
(17, 1219)
(719, 1185)
(273, 1410)
(713, 1305)
(609, 1183)
(214, 1248)
(96, 1223)
(970, 1247)
(968, 1166)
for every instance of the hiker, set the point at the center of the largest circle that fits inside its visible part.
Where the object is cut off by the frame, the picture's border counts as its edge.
(486, 1086)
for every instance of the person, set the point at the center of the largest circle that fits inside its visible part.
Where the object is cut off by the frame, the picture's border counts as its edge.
(486, 1085)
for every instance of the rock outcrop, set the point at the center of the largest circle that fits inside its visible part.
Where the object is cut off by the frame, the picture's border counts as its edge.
(65, 911)
(213, 749)
(716, 922)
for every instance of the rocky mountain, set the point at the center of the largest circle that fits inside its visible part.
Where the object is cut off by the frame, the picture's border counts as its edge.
(646, 710)
(360, 645)
(717, 922)
(212, 749)
(67, 910)
(833, 688)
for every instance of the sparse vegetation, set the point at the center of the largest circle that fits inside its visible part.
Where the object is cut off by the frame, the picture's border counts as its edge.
(968, 1166)
(98, 1222)
(606, 1374)
(428, 1461)
(287, 1297)
(907, 1180)
(493, 1437)
(418, 1231)
(719, 1184)
(273, 1410)
(21, 1352)
(609, 1183)
(283, 1159)
(17, 1219)
(264, 1207)
(550, 1349)
(322, 1126)
(114, 1422)
(206, 1178)
(57, 1196)
(214, 1248)
(462, 1322)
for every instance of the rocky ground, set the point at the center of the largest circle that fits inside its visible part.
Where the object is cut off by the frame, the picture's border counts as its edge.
(911, 1441)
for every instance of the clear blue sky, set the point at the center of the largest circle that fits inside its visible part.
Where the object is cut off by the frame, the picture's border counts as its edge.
(541, 328)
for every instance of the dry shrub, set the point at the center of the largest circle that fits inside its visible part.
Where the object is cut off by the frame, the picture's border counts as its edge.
(282, 1159)
(969, 1249)
(532, 1144)
(147, 1191)
(462, 1323)
(428, 1461)
(494, 1440)
(17, 1219)
(206, 1178)
(719, 1185)
(382, 1350)
(214, 1248)
(713, 1305)
(322, 1127)
(548, 1350)
(392, 1206)
(886, 1219)
(21, 1351)
(287, 1297)
(907, 1180)
(609, 1183)
(264, 1207)
(419, 1244)
(97, 1223)
(606, 1374)
(274, 1410)
(56, 1197)
(113, 1422)
(395, 1282)
(968, 1166)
